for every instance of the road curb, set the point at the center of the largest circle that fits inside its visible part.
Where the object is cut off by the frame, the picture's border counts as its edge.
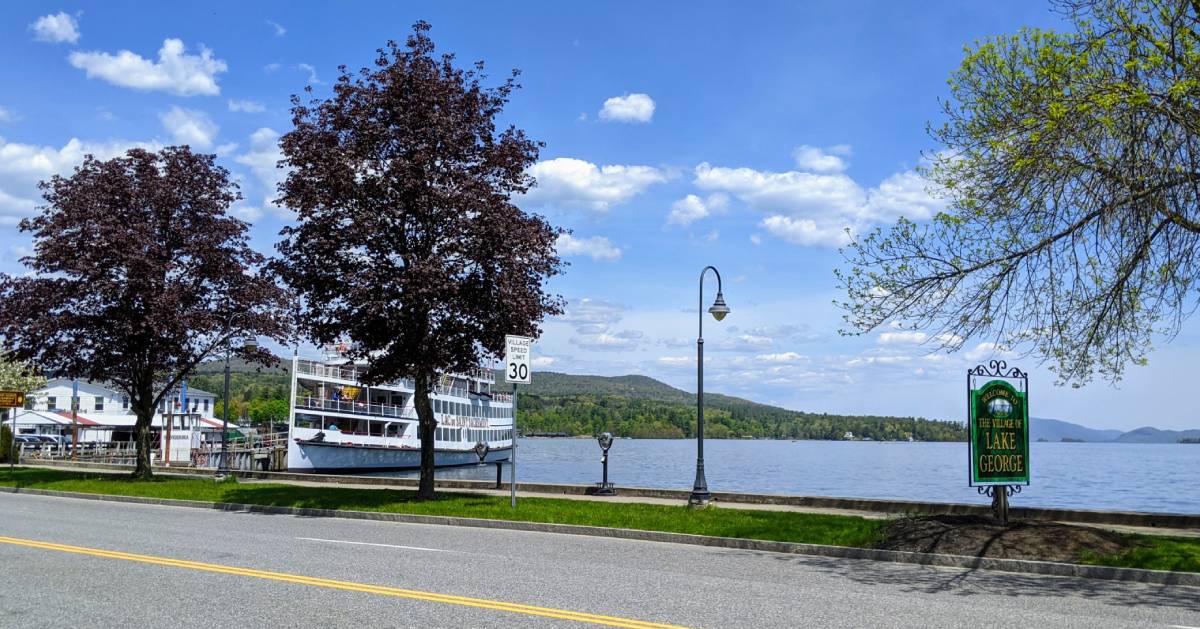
(874, 505)
(1047, 568)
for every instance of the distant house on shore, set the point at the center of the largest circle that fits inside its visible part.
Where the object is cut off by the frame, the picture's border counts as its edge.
(103, 413)
(849, 436)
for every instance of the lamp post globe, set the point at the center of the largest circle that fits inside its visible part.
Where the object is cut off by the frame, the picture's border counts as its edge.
(700, 496)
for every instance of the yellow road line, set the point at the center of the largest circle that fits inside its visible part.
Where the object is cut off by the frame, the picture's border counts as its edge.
(516, 608)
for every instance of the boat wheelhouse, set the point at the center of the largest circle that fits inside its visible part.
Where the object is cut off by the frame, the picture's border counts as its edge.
(338, 424)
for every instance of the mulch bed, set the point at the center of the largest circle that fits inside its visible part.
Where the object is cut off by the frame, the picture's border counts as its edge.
(981, 537)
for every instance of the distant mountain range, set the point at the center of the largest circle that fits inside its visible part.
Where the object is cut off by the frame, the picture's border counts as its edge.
(563, 398)
(1057, 430)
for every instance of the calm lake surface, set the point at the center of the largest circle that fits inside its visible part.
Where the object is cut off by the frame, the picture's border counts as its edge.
(1116, 476)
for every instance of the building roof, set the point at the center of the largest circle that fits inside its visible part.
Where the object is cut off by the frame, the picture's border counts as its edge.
(104, 420)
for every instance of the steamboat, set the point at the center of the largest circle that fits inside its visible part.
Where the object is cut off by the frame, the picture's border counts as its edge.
(338, 425)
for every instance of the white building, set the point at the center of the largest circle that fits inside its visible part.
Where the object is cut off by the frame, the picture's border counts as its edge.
(97, 399)
(103, 414)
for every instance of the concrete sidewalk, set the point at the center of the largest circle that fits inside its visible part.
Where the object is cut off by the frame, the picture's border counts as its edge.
(1135, 523)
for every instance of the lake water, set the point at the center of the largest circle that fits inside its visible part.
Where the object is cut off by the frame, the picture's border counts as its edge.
(1117, 476)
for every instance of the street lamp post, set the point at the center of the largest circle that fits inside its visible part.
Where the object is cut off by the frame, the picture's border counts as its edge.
(223, 469)
(700, 496)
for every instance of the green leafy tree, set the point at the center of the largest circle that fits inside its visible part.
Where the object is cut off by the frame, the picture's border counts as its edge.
(269, 411)
(1071, 163)
(18, 376)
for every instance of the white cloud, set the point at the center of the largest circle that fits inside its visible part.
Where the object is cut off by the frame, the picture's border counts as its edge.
(747, 343)
(22, 166)
(311, 70)
(56, 28)
(902, 194)
(596, 247)
(189, 126)
(5, 115)
(806, 231)
(628, 108)
(781, 358)
(816, 208)
(175, 71)
(988, 350)
(677, 361)
(261, 159)
(542, 361)
(246, 106)
(907, 337)
(247, 213)
(574, 183)
(813, 159)
(914, 337)
(608, 342)
(280, 31)
(693, 208)
(588, 311)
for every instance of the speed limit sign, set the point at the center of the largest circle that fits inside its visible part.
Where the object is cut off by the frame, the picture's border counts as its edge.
(516, 359)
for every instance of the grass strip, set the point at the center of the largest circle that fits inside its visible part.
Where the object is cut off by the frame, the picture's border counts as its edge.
(783, 526)
(1147, 552)
(1176, 554)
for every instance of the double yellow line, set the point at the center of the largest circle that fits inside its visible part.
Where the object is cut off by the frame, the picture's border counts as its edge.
(516, 608)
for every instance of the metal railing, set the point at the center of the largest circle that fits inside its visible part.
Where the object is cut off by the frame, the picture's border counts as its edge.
(350, 406)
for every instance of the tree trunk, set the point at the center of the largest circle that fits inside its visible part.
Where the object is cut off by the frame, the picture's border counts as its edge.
(426, 424)
(144, 448)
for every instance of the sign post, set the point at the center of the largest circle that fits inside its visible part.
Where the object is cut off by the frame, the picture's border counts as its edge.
(516, 371)
(998, 432)
(12, 400)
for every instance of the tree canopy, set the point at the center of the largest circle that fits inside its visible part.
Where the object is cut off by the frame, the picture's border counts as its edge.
(138, 274)
(1071, 163)
(406, 241)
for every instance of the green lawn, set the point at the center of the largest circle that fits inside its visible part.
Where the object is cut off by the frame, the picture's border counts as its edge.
(765, 525)
(1153, 553)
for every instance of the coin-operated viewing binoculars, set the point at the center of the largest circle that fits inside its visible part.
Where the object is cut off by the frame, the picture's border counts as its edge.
(604, 488)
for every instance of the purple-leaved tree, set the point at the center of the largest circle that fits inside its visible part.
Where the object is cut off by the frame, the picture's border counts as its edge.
(137, 276)
(407, 241)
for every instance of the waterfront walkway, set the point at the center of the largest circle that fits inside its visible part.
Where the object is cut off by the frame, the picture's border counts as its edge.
(631, 496)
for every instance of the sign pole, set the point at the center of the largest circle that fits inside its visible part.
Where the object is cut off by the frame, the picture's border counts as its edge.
(75, 419)
(11, 401)
(516, 371)
(512, 468)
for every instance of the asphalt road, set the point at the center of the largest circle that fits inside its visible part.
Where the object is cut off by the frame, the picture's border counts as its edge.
(58, 568)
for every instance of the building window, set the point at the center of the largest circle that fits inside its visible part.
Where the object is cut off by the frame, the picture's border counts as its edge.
(99, 403)
(52, 403)
(205, 405)
(125, 402)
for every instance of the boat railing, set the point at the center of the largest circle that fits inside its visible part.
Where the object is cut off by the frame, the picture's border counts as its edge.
(312, 368)
(354, 374)
(350, 406)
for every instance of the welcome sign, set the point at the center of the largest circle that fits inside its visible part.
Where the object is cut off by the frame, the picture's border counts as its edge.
(999, 434)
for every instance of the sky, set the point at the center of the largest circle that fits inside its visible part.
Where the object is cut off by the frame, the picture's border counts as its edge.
(678, 135)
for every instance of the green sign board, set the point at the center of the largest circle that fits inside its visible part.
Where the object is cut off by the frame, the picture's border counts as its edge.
(999, 433)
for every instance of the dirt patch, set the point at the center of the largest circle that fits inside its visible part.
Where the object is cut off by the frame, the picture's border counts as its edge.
(977, 536)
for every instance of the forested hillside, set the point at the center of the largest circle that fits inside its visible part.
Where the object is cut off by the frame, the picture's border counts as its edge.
(639, 406)
(627, 406)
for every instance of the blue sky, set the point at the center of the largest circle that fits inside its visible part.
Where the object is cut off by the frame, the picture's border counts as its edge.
(677, 135)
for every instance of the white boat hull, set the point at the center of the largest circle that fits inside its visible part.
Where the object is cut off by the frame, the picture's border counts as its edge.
(307, 456)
